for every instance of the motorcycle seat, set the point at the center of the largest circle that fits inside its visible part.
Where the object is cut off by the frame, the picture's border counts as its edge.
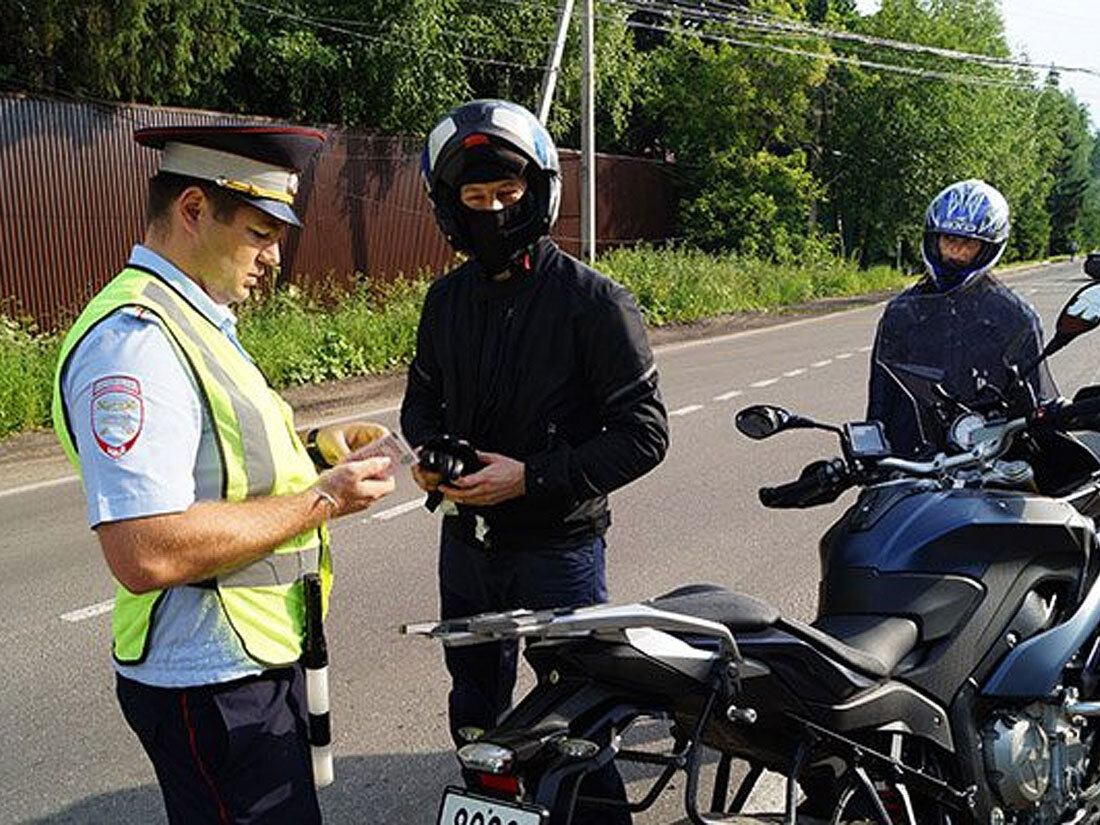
(739, 612)
(873, 645)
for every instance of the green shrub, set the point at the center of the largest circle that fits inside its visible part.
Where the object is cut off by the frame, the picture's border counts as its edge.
(299, 338)
(682, 285)
(26, 377)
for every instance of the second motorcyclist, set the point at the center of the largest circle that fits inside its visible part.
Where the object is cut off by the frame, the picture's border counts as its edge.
(951, 341)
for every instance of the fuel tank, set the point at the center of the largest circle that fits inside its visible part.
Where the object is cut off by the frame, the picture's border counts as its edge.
(976, 569)
(918, 527)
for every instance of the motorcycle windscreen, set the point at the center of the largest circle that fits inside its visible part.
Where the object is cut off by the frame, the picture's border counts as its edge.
(938, 356)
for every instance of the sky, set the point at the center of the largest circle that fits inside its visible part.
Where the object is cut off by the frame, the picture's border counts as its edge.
(1066, 32)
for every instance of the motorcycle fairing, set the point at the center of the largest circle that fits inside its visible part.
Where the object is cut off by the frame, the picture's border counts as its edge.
(1033, 667)
(977, 556)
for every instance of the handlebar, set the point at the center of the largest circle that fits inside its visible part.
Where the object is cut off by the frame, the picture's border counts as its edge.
(823, 481)
(820, 483)
(1076, 415)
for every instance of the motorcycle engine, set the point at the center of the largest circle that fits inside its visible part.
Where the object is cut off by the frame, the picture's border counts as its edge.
(1036, 761)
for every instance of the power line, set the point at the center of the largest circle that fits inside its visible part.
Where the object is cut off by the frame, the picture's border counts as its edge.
(765, 21)
(315, 23)
(343, 21)
(830, 57)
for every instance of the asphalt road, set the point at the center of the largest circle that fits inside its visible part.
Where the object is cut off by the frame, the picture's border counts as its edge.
(67, 755)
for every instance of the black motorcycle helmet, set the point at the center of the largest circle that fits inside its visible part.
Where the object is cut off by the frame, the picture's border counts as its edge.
(488, 140)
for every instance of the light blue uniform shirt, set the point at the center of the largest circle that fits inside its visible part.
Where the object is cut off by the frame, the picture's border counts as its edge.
(157, 456)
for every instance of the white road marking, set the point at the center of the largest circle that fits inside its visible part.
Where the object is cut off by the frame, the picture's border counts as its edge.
(670, 347)
(767, 382)
(726, 396)
(688, 410)
(840, 356)
(40, 485)
(394, 512)
(793, 373)
(819, 364)
(88, 612)
(864, 349)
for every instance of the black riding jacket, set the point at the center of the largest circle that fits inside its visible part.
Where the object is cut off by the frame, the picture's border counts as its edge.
(961, 339)
(551, 367)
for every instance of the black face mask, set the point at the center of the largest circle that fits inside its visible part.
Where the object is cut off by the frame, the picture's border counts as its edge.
(951, 276)
(493, 234)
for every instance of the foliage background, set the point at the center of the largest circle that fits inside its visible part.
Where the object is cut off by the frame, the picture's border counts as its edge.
(777, 138)
(299, 338)
(805, 147)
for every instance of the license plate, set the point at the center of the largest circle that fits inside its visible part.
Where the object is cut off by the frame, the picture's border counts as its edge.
(462, 808)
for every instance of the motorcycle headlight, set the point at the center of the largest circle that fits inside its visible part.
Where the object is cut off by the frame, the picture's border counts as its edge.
(486, 757)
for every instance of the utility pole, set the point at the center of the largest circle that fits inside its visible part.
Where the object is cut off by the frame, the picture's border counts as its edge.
(588, 138)
(553, 66)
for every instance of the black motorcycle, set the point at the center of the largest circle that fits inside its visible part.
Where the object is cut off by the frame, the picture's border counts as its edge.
(952, 674)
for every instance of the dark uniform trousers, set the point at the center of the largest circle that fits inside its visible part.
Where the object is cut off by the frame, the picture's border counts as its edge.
(478, 579)
(230, 753)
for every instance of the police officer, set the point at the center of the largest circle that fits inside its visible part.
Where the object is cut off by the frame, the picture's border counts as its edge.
(544, 366)
(207, 505)
(958, 327)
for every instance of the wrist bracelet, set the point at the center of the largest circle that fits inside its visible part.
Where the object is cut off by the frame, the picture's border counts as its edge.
(325, 495)
(314, 452)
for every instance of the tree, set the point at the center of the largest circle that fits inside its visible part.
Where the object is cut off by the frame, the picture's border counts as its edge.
(1088, 227)
(154, 51)
(734, 118)
(895, 140)
(1070, 171)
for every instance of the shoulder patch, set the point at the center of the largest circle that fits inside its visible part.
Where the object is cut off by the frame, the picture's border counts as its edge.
(118, 414)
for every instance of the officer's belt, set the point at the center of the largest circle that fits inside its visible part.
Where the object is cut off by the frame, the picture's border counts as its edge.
(273, 569)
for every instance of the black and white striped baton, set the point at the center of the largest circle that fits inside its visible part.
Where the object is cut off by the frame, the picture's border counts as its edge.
(315, 662)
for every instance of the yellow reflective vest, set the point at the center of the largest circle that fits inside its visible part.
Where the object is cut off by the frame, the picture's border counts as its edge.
(261, 456)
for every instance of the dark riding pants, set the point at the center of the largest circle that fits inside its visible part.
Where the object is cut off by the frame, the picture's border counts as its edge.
(475, 579)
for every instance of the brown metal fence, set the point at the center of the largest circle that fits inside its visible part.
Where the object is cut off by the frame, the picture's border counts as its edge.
(72, 193)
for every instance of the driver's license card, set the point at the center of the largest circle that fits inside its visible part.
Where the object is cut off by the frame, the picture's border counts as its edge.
(391, 445)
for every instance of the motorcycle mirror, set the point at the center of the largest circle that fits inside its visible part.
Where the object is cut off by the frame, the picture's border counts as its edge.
(760, 420)
(1081, 314)
(764, 420)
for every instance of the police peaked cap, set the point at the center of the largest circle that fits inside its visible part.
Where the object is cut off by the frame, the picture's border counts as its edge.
(258, 164)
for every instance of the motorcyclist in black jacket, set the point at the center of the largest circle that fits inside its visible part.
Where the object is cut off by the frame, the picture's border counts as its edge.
(950, 342)
(544, 366)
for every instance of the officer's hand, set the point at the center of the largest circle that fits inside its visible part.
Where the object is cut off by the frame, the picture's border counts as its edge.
(425, 479)
(337, 441)
(356, 485)
(502, 478)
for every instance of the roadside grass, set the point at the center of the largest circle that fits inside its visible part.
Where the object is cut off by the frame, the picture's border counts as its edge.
(300, 338)
(26, 374)
(683, 285)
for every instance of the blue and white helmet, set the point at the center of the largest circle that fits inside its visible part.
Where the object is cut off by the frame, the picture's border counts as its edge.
(967, 209)
(522, 144)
